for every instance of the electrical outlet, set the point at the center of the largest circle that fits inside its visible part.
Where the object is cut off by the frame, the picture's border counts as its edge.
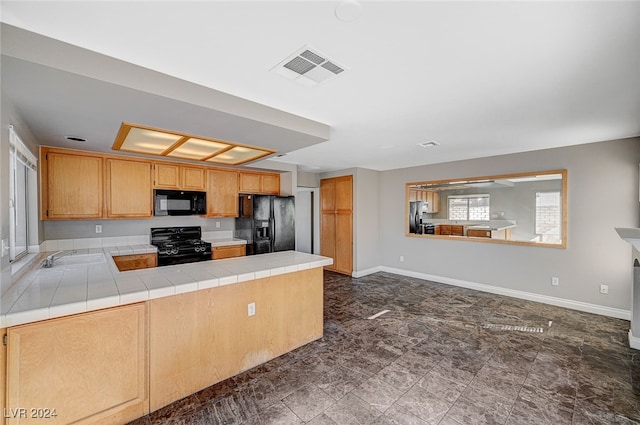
(604, 289)
(555, 281)
(98, 228)
(217, 224)
(402, 258)
(5, 246)
(251, 309)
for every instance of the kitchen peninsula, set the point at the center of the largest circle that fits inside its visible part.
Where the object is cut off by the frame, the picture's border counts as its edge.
(141, 339)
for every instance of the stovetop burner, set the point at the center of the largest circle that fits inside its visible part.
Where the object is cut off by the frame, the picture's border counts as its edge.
(177, 245)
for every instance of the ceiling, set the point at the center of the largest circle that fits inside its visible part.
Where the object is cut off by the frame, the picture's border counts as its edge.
(480, 78)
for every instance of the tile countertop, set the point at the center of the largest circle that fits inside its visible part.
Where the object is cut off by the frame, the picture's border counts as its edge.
(89, 280)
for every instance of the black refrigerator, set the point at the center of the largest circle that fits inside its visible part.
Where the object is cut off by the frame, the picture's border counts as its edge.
(267, 223)
(416, 208)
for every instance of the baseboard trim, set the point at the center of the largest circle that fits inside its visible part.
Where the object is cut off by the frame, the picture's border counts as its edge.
(634, 341)
(559, 302)
(366, 272)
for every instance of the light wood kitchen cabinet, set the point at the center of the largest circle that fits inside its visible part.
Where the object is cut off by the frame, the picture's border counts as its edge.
(178, 177)
(135, 261)
(193, 178)
(3, 376)
(259, 183)
(228, 251)
(336, 225)
(222, 193)
(479, 233)
(129, 192)
(201, 338)
(166, 176)
(431, 197)
(449, 230)
(92, 368)
(71, 185)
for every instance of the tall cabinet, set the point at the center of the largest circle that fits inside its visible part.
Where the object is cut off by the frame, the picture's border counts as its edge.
(336, 222)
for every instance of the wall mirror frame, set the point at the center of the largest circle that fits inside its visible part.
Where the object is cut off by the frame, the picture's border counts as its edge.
(527, 208)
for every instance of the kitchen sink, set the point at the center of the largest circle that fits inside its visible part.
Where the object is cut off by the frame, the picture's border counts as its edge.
(80, 260)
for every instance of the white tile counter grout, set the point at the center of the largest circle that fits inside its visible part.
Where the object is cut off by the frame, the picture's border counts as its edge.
(87, 280)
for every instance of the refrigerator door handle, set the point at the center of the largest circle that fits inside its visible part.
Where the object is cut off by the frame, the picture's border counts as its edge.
(273, 234)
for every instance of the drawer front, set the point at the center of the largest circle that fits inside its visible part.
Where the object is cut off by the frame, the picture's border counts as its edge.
(230, 251)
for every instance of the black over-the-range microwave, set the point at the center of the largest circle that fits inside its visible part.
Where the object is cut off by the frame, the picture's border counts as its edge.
(179, 202)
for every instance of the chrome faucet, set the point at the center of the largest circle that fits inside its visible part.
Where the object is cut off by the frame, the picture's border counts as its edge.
(48, 262)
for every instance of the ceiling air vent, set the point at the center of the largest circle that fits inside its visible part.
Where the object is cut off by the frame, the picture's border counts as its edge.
(308, 67)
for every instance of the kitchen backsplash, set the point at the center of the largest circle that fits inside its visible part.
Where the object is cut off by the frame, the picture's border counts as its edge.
(87, 243)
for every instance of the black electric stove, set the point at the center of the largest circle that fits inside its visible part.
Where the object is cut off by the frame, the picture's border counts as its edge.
(178, 245)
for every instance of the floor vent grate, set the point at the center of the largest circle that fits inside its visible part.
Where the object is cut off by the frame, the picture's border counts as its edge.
(514, 328)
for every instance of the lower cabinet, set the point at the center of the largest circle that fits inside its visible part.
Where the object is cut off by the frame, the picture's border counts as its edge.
(228, 251)
(135, 261)
(114, 365)
(200, 338)
(90, 368)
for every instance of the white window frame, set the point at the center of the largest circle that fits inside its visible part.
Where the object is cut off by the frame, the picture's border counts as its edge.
(467, 197)
(19, 153)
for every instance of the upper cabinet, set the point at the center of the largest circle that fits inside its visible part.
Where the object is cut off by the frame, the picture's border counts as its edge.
(222, 193)
(179, 177)
(71, 185)
(432, 199)
(166, 176)
(89, 185)
(129, 193)
(193, 178)
(262, 183)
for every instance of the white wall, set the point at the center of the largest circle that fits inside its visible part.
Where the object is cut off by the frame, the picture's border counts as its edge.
(9, 116)
(602, 194)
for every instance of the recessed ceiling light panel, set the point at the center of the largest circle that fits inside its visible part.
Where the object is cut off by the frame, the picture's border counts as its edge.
(165, 143)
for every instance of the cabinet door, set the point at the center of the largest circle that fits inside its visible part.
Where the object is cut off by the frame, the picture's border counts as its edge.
(129, 192)
(166, 176)
(328, 195)
(328, 239)
(250, 183)
(193, 178)
(435, 205)
(343, 260)
(220, 252)
(271, 184)
(92, 367)
(222, 193)
(344, 193)
(73, 186)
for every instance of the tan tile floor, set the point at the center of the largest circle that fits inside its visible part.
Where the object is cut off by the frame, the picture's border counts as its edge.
(442, 355)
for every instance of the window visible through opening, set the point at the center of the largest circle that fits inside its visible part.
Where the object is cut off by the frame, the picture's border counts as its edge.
(469, 207)
(548, 225)
(22, 170)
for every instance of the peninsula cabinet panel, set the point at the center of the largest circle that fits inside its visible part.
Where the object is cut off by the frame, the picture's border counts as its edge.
(91, 368)
(129, 191)
(3, 376)
(222, 193)
(71, 186)
(336, 225)
(201, 338)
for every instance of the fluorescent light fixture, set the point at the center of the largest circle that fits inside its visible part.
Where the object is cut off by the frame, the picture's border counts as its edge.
(154, 141)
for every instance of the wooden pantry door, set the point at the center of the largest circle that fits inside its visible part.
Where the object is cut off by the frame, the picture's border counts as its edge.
(336, 225)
